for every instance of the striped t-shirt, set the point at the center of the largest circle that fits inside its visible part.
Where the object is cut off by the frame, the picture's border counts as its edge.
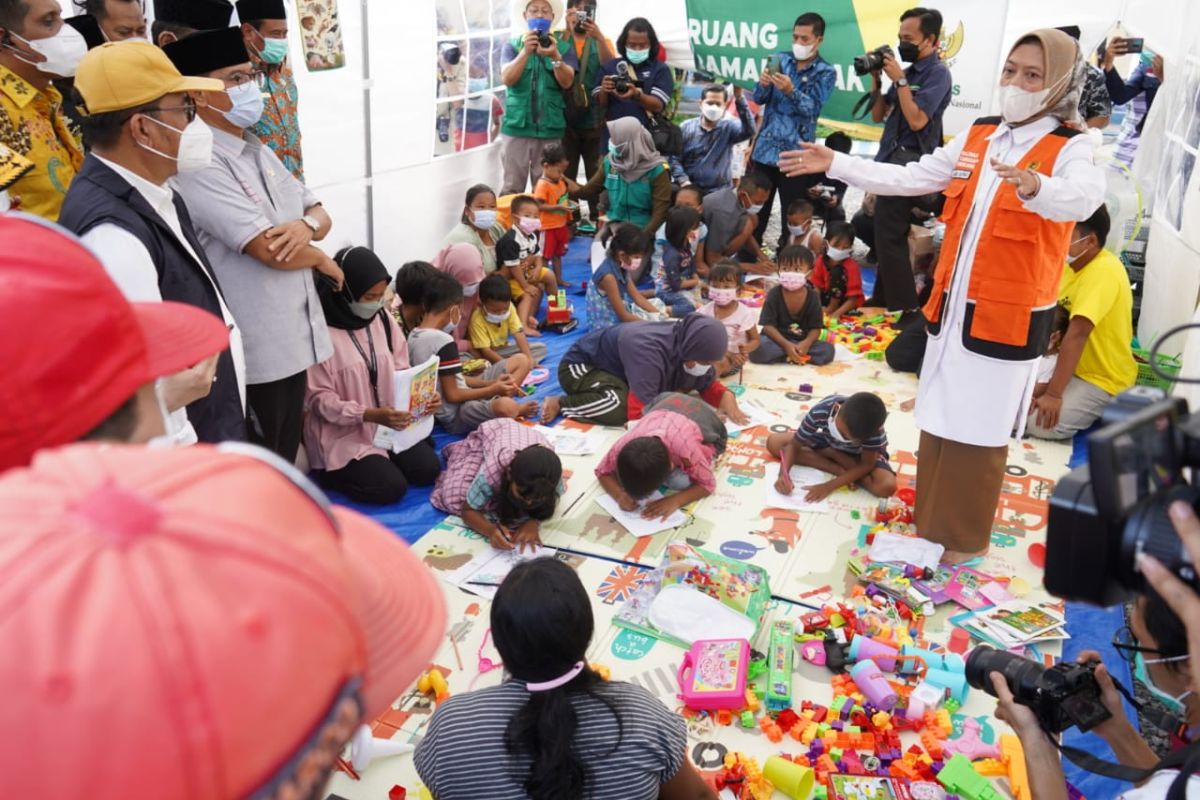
(814, 432)
(463, 756)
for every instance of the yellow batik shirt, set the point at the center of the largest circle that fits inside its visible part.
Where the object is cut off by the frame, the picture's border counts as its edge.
(33, 126)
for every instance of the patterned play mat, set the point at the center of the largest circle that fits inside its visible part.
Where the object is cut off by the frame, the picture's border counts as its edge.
(804, 553)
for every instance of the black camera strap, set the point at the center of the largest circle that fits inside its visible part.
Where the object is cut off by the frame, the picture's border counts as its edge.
(862, 107)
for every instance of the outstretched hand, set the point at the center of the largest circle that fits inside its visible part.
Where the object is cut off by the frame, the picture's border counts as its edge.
(810, 159)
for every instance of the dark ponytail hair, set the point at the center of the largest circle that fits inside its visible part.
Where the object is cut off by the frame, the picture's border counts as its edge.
(542, 624)
(472, 193)
(534, 474)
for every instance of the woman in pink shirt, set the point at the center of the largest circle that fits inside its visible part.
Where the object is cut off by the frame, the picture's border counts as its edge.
(352, 394)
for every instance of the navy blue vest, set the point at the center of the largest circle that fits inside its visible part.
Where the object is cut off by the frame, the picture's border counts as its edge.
(100, 196)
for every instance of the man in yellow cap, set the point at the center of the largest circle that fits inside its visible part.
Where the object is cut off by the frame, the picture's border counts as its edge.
(142, 128)
(36, 47)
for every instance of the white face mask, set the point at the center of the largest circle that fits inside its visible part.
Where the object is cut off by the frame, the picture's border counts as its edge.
(838, 254)
(63, 51)
(697, 370)
(803, 52)
(799, 230)
(366, 310)
(711, 112)
(470, 290)
(1070, 258)
(450, 327)
(195, 146)
(485, 218)
(835, 432)
(752, 209)
(1018, 105)
(496, 319)
(634, 264)
(247, 105)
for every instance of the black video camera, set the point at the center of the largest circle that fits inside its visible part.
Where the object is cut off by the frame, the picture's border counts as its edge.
(872, 61)
(1061, 696)
(625, 78)
(1102, 516)
(585, 13)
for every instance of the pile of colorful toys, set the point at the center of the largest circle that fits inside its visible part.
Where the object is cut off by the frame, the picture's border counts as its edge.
(869, 336)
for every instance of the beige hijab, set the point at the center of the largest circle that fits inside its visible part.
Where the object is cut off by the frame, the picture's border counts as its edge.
(1066, 72)
(635, 149)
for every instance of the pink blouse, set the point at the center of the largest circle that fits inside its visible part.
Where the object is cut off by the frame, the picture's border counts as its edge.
(339, 393)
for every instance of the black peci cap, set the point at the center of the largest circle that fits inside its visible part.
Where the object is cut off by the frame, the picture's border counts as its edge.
(260, 9)
(207, 52)
(203, 15)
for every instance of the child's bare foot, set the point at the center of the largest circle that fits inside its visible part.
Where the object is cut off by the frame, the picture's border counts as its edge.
(550, 410)
(527, 409)
(531, 328)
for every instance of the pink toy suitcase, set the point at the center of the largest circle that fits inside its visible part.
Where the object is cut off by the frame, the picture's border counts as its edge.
(713, 674)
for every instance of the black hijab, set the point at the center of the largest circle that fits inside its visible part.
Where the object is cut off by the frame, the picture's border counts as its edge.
(363, 269)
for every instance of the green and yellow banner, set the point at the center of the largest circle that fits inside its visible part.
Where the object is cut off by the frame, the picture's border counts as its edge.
(735, 40)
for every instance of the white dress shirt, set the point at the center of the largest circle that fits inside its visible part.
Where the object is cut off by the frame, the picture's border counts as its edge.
(963, 396)
(129, 264)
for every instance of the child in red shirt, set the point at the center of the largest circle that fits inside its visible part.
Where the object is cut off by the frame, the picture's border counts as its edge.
(551, 194)
(837, 275)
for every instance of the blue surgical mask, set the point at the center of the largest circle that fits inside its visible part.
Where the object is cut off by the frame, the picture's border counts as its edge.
(477, 85)
(274, 51)
(703, 231)
(366, 310)
(485, 218)
(637, 57)
(1173, 703)
(539, 24)
(614, 149)
(247, 105)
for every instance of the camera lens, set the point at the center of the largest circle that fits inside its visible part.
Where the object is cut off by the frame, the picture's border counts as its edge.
(1021, 674)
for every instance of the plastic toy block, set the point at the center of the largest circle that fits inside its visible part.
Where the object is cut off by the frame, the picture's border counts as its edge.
(971, 744)
(809, 734)
(747, 719)
(825, 764)
(433, 682)
(944, 722)
(773, 731)
(952, 705)
(779, 659)
(820, 793)
(397, 792)
(1014, 760)
(787, 718)
(932, 744)
(899, 769)
(752, 701)
(960, 778)
(882, 721)
(724, 717)
(990, 768)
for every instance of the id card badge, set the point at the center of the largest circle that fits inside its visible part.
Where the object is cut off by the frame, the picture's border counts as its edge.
(383, 438)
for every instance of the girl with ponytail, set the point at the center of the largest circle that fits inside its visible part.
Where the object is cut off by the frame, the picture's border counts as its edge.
(554, 729)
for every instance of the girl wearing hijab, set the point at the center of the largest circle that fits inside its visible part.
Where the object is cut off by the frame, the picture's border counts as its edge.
(610, 376)
(1015, 186)
(635, 175)
(463, 263)
(352, 393)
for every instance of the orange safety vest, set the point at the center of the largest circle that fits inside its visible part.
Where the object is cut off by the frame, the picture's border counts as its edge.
(1013, 288)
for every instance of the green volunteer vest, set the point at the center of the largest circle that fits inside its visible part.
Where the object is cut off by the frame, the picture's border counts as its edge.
(630, 202)
(536, 107)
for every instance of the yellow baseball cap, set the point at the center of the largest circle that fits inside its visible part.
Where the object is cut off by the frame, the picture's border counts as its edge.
(120, 75)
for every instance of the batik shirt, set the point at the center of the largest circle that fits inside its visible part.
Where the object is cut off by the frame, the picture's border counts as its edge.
(279, 128)
(33, 126)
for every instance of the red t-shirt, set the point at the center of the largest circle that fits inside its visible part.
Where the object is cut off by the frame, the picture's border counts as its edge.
(820, 278)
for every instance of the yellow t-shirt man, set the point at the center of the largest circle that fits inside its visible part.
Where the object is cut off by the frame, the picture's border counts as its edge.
(1100, 292)
(493, 336)
(33, 126)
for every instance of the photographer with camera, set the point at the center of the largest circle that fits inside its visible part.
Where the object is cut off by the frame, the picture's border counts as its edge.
(536, 75)
(588, 49)
(635, 84)
(792, 90)
(913, 107)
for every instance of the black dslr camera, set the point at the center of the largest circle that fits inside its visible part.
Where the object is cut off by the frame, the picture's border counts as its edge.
(585, 13)
(625, 78)
(1102, 516)
(545, 41)
(872, 61)
(1061, 696)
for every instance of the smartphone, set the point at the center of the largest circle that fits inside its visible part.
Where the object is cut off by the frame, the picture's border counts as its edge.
(773, 65)
(1135, 45)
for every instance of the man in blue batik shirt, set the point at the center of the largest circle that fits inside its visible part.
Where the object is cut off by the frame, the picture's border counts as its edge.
(913, 108)
(792, 98)
(708, 142)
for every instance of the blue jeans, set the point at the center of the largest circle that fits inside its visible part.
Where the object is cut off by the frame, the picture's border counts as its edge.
(768, 352)
(678, 303)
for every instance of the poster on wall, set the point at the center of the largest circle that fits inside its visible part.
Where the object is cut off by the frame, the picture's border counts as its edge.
(735, 41)
(321, 33)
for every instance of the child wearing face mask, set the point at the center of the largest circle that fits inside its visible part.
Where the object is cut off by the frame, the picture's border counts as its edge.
(519, 255)
(801, 229)
(843, 436)
(466, 402)
(739, 320)
(351, 394)
(837, 275)
(675, 280)
(551, 191)
(674, 444)
(611, 294)
(792, 321)
(478, 226)
(494, 320)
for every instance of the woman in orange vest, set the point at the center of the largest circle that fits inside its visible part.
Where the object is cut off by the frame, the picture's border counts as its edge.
(1015, 185)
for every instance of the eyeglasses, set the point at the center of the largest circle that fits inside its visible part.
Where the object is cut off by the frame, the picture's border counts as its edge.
(240, 79)
(188, 108)
(1125, 643)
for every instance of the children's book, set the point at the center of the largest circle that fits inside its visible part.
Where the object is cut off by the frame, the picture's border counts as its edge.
(868, 787)
(416, 388)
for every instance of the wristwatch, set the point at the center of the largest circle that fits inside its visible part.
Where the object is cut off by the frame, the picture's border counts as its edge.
(312, 223)
(902, 82)
(556, 64)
